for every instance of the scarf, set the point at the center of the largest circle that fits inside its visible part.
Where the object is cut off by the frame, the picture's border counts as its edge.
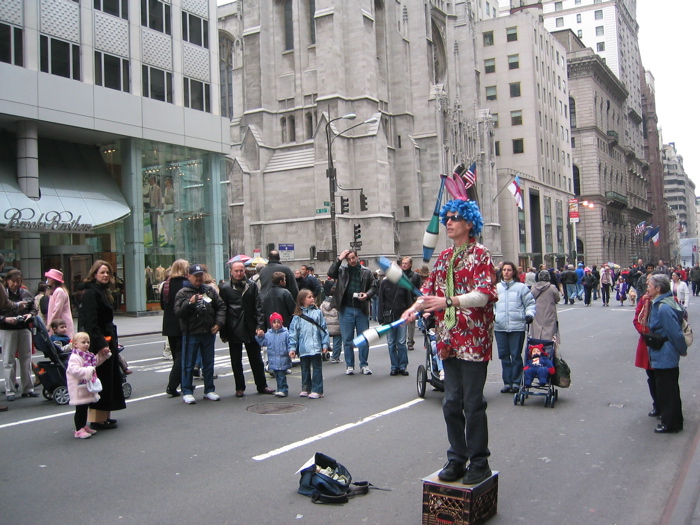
(89, 358)
(644, 311)
(450, 312)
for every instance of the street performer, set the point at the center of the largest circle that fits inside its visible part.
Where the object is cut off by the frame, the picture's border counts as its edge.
(461, 290)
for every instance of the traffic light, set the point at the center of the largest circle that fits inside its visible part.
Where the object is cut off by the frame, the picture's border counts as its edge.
(357, 231)
(363, 201)
(344, 205)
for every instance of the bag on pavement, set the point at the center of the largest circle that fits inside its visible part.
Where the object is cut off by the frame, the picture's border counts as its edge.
(562, 373)
(325, 480)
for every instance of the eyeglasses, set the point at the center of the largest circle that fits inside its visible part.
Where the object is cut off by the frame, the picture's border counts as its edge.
(454, 218)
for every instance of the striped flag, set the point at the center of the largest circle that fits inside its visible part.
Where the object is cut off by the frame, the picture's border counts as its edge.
(514, 188)
(469, 177)
(657, 235)
(651, 231)
(640, 228)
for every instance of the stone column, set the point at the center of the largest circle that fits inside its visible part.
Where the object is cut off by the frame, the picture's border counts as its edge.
(134, 253)
(30, 257)
(28, 158)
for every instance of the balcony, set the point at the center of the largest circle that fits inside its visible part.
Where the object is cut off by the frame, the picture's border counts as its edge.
(614, 137)
(616, 200)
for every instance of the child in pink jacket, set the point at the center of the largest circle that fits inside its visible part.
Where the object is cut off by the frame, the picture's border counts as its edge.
(81, 369)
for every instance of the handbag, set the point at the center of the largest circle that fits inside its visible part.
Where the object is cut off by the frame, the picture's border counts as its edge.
(327, 481)
(654, 341)
(562, 373)
(94, 386)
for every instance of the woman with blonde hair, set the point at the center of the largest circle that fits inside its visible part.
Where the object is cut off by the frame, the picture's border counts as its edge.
(96, 317)
(171, 325)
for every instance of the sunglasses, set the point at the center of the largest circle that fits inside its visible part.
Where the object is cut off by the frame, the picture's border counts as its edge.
(454, 218)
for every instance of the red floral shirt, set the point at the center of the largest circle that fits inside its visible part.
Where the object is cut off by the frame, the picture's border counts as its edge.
(472, 337)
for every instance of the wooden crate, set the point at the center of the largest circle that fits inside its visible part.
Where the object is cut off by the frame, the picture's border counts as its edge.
(454, 503)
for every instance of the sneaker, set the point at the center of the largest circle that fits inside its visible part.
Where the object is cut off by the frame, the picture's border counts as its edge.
(212, 396)
(315, 395)
(304, 393)
(10, 397)
(81, 434)
(366, 371)
(334, 360)
(349, 371)
(404, 372)
(476, 475)
(452, 471)
(442, 375)
(89, 430)
(281, 394)
(189, 399)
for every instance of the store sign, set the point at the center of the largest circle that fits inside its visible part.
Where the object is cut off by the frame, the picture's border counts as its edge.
(26, 219)
(574, 215)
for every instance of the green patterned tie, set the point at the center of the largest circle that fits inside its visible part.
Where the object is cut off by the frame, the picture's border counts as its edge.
(451, 313)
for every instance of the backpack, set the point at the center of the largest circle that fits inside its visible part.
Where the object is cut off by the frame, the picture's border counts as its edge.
(327, 481)
(687, 333)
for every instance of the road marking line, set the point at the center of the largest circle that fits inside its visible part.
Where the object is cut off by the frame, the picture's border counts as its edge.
(336, 430)
(43, 418)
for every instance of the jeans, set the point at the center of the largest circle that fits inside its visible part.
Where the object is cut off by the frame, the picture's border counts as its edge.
(17, 342)
(579, 291)
(398, 352)
(254, 360)
(281, 377)
(175, 377)
(696, 287)
(464, 409)
(312, 382)
(587, 295)
(337, 346)
(571, 292)
(410, 334)
(605, 293)
(375, 308)
(668, 397)
(510, 352)
(351, 320)
(191, 345)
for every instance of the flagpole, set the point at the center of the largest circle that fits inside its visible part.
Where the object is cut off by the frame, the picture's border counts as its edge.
(511, 178)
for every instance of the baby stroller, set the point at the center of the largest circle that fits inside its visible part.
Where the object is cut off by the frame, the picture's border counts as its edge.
(51, 373)
(430, 371)
(543, 384)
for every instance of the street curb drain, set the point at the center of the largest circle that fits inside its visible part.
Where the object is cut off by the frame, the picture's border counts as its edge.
(274, 409)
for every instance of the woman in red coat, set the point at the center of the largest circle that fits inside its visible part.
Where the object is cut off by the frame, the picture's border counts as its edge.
(641, 323)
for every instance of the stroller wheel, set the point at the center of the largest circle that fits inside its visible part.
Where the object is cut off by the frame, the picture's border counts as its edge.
(555, 396)
(516, 398)
(421, 380)
(546, 400)
(126, 388)
(60, 395)
(47, 395)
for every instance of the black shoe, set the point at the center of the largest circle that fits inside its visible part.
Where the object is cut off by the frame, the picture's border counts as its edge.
(393, 373)
(514, 389)
(505, 389)
(663, 429)
(196, 372)
(30, 394)
(404, 372)
(106, 425)
(653, 413)
(452, 471)
(476, 475)
(172, 393)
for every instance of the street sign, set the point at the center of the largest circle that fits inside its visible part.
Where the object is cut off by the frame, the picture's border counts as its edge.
(326, 203)
(286, 252)
(573, 210)
(356, 244)
(321, 210)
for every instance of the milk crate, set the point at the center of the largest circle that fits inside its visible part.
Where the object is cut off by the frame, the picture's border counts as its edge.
(453, 503)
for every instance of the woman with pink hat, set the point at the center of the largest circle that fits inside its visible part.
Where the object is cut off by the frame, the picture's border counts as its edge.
(59, 301)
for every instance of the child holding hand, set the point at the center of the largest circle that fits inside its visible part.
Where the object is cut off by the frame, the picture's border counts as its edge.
(80, 370)
(308, 337)
(279, 357)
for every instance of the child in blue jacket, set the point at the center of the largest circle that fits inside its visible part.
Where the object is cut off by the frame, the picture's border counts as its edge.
(308, 337)
(279, 357)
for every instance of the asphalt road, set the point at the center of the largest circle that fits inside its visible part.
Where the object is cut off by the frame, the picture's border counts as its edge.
(593, 459)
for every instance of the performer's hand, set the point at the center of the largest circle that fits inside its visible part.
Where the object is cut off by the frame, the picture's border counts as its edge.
(431, 303)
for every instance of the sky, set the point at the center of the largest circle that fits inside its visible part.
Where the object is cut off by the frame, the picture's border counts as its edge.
(667, 45)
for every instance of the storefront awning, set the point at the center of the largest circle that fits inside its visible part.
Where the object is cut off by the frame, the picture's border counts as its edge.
(77, 192)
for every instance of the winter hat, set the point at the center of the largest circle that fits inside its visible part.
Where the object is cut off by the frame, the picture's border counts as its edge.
(277, 316)
(56, 275)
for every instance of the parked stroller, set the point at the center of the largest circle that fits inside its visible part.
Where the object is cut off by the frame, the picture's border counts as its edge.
(537, 377)
(431, 370)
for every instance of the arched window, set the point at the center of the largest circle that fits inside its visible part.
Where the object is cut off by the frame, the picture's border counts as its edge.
(309, 118)
(291, 125)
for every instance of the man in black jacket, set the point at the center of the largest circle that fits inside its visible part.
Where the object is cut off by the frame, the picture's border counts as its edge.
(202, 314)
(279, 300)
(274, 265)
(354, 288)
(407, 267)
(568, 281)
(244, 320)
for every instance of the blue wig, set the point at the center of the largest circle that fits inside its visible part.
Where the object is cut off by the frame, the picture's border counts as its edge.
(467, 209)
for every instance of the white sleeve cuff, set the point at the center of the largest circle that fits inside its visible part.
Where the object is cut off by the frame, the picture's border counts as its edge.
(473, 300)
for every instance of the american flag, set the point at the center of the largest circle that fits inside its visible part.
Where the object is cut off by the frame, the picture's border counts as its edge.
(640, 228)
(469, 176)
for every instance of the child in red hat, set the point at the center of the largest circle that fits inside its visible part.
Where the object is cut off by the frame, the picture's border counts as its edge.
(279, 358)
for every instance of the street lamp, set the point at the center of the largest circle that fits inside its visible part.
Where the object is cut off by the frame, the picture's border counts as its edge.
(331, 175)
